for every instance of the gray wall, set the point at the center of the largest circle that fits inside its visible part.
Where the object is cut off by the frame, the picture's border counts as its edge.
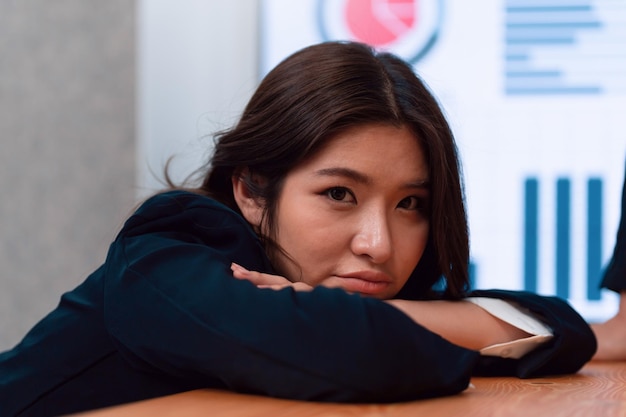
(67, 158)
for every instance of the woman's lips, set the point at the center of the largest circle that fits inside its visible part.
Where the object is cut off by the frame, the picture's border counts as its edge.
(364, 282)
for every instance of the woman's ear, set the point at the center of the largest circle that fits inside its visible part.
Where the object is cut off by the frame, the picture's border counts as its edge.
(249, 205)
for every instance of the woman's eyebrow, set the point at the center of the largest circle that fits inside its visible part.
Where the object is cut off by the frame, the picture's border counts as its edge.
(364, 179)
(419, 184)
(344, 172)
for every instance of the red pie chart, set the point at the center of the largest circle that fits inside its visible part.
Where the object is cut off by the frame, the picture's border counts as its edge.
(408, 28)
(380, 22)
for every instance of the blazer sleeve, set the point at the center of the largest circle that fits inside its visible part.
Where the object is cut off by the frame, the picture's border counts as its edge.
(172, 306)
(572, 346)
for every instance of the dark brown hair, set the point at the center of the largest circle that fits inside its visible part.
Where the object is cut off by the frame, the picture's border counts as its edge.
(319, 92)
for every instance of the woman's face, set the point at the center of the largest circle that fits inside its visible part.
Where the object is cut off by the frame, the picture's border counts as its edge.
(355, 215)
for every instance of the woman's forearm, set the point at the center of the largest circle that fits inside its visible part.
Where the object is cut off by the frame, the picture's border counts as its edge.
(460, 322)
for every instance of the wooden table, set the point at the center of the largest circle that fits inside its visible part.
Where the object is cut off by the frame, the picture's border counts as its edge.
(599, 389)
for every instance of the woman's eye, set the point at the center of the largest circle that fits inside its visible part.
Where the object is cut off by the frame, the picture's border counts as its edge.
(412, 203)
(339, 194)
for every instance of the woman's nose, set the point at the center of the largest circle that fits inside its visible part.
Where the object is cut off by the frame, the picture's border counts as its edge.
(373, 238)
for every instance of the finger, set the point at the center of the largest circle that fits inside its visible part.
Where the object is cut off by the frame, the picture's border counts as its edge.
(257, 278)
(298, 286)
(274, 287)
(239, 271)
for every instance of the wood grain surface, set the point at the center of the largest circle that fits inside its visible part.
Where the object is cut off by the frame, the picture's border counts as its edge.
(599, 389)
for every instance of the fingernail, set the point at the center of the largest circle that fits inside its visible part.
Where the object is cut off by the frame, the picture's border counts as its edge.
(236, 267)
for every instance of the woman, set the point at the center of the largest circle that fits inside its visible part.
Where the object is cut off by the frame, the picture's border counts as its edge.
(338, 189)
(611, 334)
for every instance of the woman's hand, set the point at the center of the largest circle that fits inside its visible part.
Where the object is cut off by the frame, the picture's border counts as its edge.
(261, 280)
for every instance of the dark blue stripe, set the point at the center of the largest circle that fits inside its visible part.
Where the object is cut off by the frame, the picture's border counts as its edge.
(472, 275)
(594, 238)
(563, 214)
(531, 233)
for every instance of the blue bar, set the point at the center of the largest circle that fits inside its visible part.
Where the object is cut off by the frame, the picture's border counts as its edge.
(594, 238)
(531, 233)
(552, 90)
(546, 2)
(548, 8)
(540, 40)
(580, 25)
(533, 74)
(563, 255)
(549, 32)
(517, 57)
(472, 275)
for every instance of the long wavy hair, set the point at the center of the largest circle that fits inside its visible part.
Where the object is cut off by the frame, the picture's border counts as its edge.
(319, 92)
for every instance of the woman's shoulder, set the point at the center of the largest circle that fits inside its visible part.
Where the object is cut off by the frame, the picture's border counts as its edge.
(180, 210)
(177, 200)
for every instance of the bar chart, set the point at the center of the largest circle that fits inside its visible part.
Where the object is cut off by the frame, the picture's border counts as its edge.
(558, 47)
(563, 236)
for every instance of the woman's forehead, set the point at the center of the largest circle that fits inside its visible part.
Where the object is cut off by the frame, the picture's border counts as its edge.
(379, 149)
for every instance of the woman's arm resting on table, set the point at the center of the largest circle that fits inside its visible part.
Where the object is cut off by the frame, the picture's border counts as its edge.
(467, 324)
(460, 322)
(519, 333)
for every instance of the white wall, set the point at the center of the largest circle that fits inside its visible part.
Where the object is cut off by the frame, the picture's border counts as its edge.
(197, 67)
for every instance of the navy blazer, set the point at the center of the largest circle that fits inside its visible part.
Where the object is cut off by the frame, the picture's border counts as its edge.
(163, 314)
